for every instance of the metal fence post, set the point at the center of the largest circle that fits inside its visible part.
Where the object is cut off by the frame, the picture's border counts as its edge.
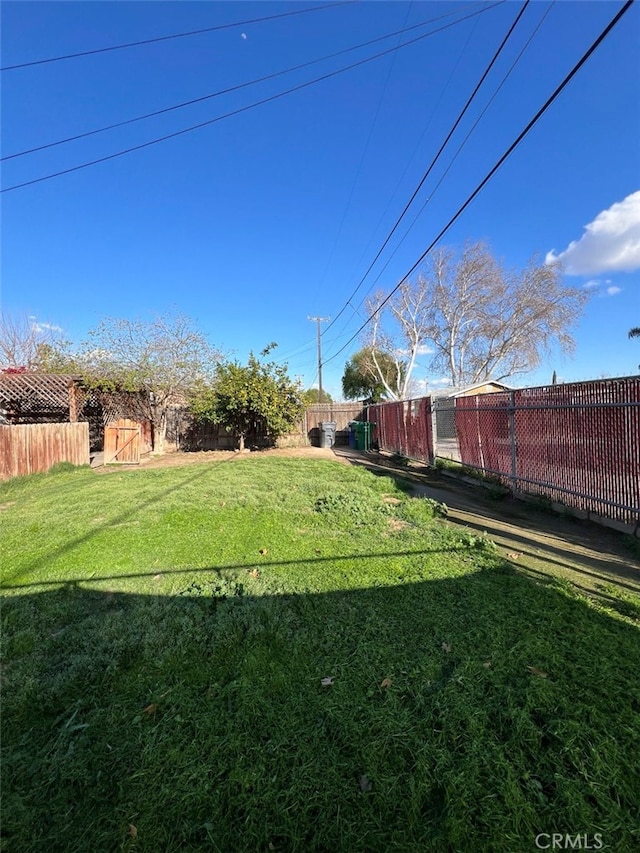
(431, 413)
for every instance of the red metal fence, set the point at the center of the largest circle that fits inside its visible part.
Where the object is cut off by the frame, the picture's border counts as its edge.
(30, 448)
(404, 427)
(578, 443)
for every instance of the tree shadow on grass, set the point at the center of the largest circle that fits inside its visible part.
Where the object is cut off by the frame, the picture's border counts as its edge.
(460, 714)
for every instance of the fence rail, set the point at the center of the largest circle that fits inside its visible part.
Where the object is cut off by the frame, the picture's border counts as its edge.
(33, 448)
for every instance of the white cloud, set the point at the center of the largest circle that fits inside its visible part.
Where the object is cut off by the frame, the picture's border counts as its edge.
(423, 349)
(44, 327)
(601, 287)
(611, 243)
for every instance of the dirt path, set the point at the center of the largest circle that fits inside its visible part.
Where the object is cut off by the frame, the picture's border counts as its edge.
(176, 459)
(538, 542)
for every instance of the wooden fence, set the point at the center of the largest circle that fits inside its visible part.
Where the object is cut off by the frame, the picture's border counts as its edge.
(341, 414)
(122, 440)
(187, 434)
(33, 448)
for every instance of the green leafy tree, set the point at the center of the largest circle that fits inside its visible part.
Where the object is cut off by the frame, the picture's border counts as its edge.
(166, 359)
(312, 396)
(256, 399)
(369, 373)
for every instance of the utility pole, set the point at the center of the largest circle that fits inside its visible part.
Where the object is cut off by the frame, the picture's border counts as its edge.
(319, 320)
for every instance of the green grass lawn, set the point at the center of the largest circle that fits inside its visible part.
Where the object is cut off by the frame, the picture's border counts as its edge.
(166, 635)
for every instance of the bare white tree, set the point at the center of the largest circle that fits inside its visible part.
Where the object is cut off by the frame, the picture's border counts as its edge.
(26, 343)
(482, 321)
(409, 310)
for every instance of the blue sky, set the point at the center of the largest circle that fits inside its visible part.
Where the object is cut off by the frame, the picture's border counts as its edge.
(257, 221)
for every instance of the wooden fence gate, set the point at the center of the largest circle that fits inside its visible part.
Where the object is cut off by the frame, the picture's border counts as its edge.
(122, 442)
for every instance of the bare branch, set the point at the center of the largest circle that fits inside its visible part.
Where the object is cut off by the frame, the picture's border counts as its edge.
(26, 343)
(482, 321)
(166, 358)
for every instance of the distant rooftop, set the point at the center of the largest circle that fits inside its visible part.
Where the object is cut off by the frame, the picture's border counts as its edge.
(463, 390)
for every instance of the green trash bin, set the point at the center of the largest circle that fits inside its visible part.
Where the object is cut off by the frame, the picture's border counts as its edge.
(370, 425)
(359, 435)
(363, 434)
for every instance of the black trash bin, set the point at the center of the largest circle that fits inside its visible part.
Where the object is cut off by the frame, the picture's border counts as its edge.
(352, 434)
(327, 433)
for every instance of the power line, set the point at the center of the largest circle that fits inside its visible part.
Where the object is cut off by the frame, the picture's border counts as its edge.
(463, 51)
(173, 36)
(310, 346)
(436, 158)
(356, 309)
(364, 152)
(495, 168)
(458, 151)
(227, 91)
(297, 351)
(275, 97)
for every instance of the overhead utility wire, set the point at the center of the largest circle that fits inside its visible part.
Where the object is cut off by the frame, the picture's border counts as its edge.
(434, 161)
(495, 168)
(173, 36)
(459, 149)
(463, 52)
(365, 151)
(356, 309)
(240, 109)
(310, 347)
(235, 88)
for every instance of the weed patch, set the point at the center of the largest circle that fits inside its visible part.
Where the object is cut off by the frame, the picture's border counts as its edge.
(625, 602)
(349, 509)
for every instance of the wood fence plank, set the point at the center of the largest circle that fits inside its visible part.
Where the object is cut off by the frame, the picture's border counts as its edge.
(34, 448)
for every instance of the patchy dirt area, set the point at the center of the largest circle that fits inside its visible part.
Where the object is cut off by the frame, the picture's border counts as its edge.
(178, 458)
